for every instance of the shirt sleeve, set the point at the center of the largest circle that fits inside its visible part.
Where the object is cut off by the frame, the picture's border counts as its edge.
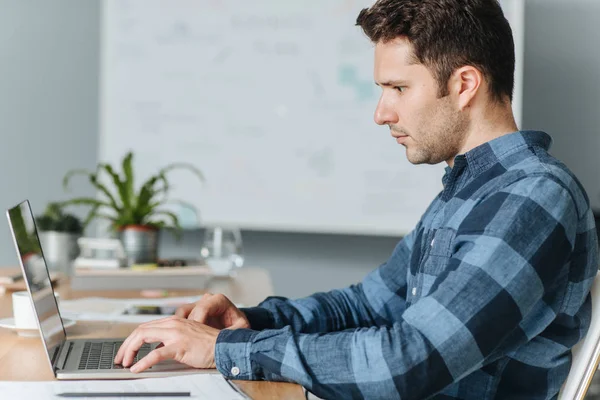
(510, 251)
(377, 300)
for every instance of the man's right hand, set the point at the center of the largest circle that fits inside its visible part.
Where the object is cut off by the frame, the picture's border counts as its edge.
(214, 310)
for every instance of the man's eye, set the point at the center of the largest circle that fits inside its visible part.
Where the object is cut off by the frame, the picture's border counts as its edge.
(401, 89)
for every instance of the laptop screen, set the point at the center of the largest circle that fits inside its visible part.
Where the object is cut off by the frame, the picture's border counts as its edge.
(35, 271)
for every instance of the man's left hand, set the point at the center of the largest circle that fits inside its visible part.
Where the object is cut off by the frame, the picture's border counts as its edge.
(183, 340)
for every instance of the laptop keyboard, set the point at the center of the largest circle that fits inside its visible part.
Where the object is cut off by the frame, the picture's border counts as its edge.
(101, 355)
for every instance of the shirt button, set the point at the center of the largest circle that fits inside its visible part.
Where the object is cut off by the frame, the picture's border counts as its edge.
(235, 371)
(414, 291)
(432, 242)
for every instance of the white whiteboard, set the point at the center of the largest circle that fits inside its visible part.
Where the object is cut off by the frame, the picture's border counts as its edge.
(273, 100)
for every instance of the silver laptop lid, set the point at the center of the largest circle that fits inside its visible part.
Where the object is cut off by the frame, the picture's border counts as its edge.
(37, 277)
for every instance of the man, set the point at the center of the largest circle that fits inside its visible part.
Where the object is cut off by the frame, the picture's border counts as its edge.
(484, 298)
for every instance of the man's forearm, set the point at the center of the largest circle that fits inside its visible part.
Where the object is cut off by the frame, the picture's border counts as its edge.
(321, 312)
(379, 299)
(337, 365)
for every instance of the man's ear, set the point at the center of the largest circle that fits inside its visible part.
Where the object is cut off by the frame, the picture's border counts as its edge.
(465, 83)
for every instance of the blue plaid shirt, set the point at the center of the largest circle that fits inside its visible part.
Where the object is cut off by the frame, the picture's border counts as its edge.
(482, 300)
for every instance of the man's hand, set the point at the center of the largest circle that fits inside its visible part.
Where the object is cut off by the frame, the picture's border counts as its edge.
(214, 310)
(183, 340)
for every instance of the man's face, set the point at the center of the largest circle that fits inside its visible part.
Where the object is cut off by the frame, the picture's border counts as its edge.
(432, 129)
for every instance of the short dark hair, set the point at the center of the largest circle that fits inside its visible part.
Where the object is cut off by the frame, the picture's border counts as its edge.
(448, 34)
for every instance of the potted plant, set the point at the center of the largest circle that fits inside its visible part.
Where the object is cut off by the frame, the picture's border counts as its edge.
(58, 233)
(135, 215)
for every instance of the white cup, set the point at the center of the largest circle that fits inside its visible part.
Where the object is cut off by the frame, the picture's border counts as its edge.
(23, 311)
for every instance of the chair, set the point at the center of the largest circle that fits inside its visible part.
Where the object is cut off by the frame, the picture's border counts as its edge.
(586, 354)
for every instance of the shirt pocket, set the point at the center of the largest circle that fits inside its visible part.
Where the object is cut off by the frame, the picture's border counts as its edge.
(440, 251)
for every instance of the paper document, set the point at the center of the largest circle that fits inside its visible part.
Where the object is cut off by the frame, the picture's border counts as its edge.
(106, 309)
(200, 386)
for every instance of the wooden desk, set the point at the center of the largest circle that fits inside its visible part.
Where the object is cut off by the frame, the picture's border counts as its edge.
(24, 359)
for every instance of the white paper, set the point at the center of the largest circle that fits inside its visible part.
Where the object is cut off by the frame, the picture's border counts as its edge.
(201, 386)
(107, 309)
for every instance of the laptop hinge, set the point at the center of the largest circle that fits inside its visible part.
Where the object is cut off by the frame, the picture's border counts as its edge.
(61, 355)
(54, 356)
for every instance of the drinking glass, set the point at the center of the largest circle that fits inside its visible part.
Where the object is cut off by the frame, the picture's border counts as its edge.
(222, 249)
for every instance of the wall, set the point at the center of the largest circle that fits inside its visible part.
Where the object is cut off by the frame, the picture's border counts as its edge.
(48, 101)
(48, 92)
(562, 84)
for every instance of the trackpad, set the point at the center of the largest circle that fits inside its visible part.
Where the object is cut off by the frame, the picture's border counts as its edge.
(169, 365)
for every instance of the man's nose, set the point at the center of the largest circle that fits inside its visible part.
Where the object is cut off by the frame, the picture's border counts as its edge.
(385, 113)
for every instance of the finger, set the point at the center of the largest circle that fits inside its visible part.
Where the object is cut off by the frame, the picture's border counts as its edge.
(164, 323)
(184, 310)
(238, 324)
(212, 306)
(148, 335)
(199, 314)
(154, 357)
(119, 357)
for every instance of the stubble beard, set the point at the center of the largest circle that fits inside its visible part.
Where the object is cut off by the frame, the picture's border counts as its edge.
(441, 140)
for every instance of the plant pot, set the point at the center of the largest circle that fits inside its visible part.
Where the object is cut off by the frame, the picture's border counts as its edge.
(140, 244)
(60, 250)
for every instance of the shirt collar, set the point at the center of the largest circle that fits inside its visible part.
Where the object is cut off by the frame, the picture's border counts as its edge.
(484, 156)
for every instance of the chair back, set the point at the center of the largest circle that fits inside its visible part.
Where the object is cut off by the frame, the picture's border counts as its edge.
(586, 354)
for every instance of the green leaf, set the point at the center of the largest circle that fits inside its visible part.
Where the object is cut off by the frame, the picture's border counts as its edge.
(129, 181)
(171, 215)
(141, 213)
(164, 189)
(125, 200)
(110, 218)
(86, 201)
(93, 178)
(71, 174)
(184, 204)
(188, 166)
(94, 181)
(53, 211)
(93, 213)
(147, 192)
(175, 226)
(71, 224)
(45, 223)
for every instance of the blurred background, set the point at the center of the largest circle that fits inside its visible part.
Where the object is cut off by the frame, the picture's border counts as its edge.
(272, 103)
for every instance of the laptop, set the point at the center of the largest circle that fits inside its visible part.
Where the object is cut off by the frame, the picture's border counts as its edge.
(89, 358)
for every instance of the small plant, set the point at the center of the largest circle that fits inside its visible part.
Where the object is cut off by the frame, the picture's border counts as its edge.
(55, 219)
(123, 206)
